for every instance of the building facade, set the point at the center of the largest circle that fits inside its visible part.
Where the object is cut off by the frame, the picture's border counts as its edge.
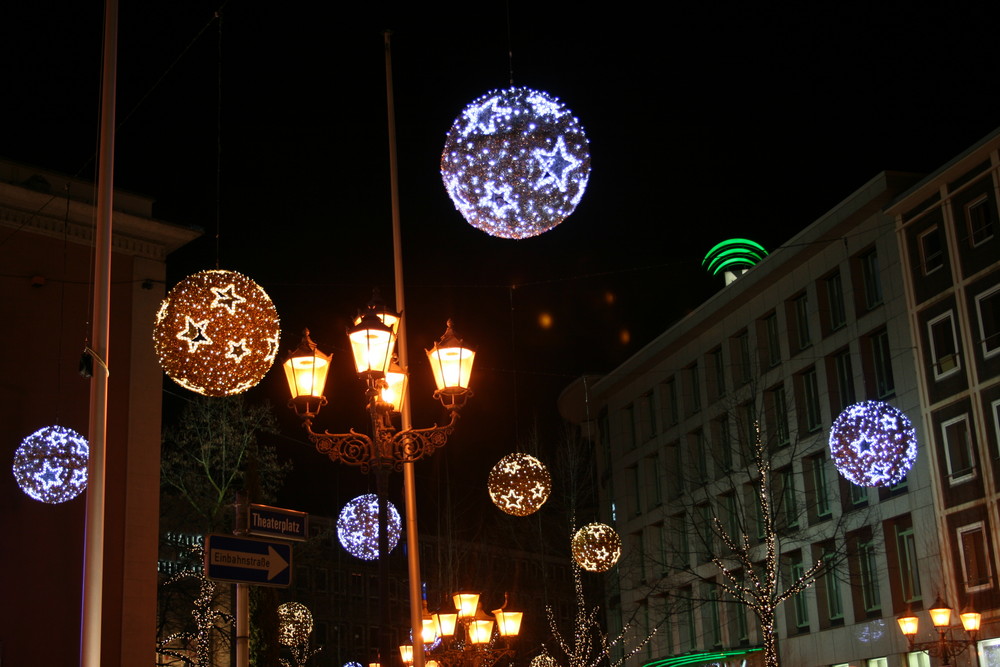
(891, 296)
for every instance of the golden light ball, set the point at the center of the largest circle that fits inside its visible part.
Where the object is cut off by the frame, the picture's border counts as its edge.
(216, 333)
(519, 484)
(295, 624)
(596, 547)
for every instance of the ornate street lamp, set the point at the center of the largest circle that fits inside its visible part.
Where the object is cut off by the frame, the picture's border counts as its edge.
(944, 647)
(372, 339)
(470, 636)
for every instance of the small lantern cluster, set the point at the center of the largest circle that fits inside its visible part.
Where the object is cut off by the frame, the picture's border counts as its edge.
(468, 628)
(945, 647)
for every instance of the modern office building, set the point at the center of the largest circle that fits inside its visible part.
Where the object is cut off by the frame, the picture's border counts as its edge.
(891, 296)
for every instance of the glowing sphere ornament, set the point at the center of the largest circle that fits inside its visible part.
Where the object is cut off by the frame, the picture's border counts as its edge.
(357, 527)
(216, 333)
(515, 163)
(295, 624)
(519, 484)
(873, 444)
(596, 547)
(51, 464)
(543, 660)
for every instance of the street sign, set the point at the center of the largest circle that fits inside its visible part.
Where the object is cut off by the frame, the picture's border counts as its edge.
(277, 522)
(246, 560)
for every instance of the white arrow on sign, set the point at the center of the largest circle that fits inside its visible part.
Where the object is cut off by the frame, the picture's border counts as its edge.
(272, 562)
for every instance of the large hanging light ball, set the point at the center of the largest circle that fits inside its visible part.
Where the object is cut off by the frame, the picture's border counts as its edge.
(295, 624)
(216, 333)
(51, 464)
(543, 660)
(357, 527)
(596, 547)
(873, 444)
(519, 484)
(515, 163)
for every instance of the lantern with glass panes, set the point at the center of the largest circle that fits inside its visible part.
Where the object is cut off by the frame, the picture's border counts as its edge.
(945, 647)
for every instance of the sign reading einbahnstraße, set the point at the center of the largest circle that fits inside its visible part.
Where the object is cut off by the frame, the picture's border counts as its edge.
(277, 522)
(246, 560)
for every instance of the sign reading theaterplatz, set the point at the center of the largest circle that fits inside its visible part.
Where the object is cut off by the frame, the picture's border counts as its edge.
(247, 560)
(269, 521)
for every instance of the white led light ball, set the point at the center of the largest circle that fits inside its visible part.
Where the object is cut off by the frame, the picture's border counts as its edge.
(596, 547)
(358, 530)
(216, 333)
(519, 484)
(873, 444)
(295, 624)
(51, 464)
(515, 163)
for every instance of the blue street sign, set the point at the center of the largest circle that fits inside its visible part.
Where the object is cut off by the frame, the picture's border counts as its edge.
(277, 522)
(247, 560)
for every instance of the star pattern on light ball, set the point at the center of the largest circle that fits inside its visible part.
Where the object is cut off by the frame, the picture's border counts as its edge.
(596, 547)
(295, 624)
(519, 484)
(358, 529)
(873, 443)
(515, 163)
(51, 464)
(216, 333)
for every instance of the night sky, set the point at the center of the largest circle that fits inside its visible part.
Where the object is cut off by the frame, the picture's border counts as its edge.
(705, 121)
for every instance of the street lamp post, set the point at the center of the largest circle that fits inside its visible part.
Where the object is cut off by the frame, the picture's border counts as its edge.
(372, 341)
(469, 636)
(945, 647)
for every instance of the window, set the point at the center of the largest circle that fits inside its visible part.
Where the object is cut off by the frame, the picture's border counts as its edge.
(909, 576)
(636, 482)
(944, 345)
(747, 421)
(647, 414)
(885, 384)
(628, 426)
(714, 624)
(869, 576)
(801, 609)
(718, 364)
(988, 309)
(975, 557)
(655, 480)
(743, 346)
(922, 659)
(679, 538)
(958, 449)
(723, 445)
(773, 341)
(831, 587)
(801, 305)
(699, 453)
(845, 378)
(671, 392)
(931, 246)
(694, 382)
(706, 534)
(980, 216)
(810, 395)
(675, 470)
(779, 415)
(732, 518)
(789, 502)
(742, 627)
(817, 465)
(858, 495)
(835, 295)
(871, 279)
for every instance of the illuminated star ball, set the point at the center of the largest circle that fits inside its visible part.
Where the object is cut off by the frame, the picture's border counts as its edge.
(295, 624)
(873, 444)
(51, 464)
(543, 660)
(515, 163)
(357, 527)
(216, 333)
(519, 484)
(596, 547)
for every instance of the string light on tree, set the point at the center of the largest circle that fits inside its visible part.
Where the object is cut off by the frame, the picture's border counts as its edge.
(51, 464)
(216, 333)
(515, 163)
(519, 484)
(873, 444)
(596, 547)
(357, 527)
